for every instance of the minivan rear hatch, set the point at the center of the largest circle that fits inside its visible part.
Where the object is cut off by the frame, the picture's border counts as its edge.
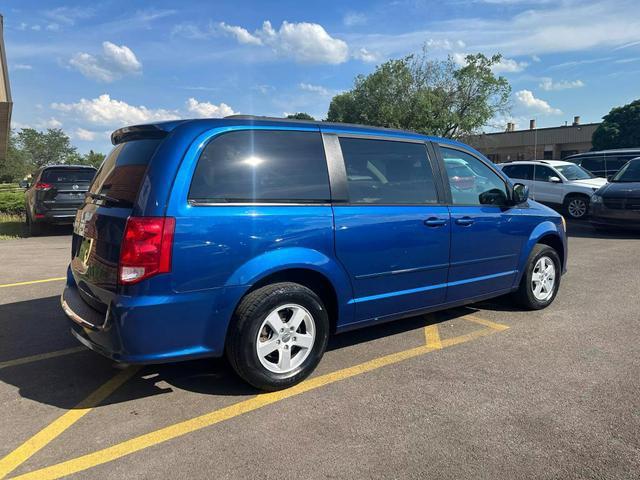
(100, 223)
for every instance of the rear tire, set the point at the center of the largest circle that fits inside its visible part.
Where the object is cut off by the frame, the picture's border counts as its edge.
(576, 206)
(278, 335)
(33, 229)
(540, 279)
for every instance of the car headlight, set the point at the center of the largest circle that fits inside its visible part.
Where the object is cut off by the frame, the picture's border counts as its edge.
(595, 198)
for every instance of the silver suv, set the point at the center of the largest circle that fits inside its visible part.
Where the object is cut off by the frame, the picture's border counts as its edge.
(556, 183)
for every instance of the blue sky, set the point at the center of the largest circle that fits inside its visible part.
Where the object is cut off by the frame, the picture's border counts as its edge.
(92, 67)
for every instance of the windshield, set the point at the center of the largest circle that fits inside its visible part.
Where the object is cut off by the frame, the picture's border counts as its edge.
(574, 172)
(629, 173)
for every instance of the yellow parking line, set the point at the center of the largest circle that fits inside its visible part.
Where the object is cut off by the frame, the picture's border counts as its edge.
(41, 356)
(165, 434)
(62, 423)
(31, 282)
(487, 323)
(432, 336)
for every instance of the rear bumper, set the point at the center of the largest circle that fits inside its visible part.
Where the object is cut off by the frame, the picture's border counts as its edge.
(153, 329)
(58, 215)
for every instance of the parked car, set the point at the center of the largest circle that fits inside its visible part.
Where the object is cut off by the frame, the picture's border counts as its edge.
(55, 195)
(604, 163)
(618, 203)
(258, 238)
(556, 183)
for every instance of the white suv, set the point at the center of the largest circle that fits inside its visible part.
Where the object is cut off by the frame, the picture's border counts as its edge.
(556, 183)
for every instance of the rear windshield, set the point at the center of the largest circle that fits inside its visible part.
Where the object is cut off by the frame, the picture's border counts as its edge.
(121, 174)
(68, 175)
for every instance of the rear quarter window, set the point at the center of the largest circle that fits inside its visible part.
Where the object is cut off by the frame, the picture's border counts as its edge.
(262, 166)
(122, 171)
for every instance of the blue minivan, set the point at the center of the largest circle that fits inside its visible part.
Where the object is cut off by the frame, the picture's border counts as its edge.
(258, 238)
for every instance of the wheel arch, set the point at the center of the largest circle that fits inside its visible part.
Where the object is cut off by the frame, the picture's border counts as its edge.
(547, 233)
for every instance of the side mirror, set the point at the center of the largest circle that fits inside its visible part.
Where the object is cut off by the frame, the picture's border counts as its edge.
(555, 179)
(519, 194)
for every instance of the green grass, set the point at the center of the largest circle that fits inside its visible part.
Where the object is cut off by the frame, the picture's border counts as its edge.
(11, 226)
(12, 202)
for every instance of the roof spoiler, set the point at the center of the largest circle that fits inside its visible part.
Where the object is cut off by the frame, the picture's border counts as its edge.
(137, 132)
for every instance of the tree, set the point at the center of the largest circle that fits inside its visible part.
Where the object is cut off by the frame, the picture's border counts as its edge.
(437, 97)
(46, 148)
(16, 164)
(620, 128)
(300, 116)
(92, 158)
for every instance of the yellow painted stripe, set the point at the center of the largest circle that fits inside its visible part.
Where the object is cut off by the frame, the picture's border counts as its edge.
(156, 437)
(62, 423)
(41, 356)
(432, 336)
(487, 323)
(31, 282)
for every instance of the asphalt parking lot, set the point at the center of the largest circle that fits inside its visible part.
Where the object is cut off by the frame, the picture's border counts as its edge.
(481, 392)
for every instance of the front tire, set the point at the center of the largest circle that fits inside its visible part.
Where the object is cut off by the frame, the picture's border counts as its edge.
(541, 278)
(278, 335)
(576, 206)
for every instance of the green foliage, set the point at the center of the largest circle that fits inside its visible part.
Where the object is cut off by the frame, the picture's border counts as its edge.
(620, 128)
(435, 97)
(30, 149)
(11, 226)
(300, 116)
(12, 202)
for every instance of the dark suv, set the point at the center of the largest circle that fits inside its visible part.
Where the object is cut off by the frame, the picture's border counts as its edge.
(604, 163)
(56, 193)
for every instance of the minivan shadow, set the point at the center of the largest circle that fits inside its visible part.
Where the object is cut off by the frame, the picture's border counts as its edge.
(38, 326)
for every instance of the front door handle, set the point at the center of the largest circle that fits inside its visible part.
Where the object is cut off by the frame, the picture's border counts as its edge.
(435, 222)
(464, 221)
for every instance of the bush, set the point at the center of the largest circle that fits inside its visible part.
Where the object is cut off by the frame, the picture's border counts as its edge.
(12, 202)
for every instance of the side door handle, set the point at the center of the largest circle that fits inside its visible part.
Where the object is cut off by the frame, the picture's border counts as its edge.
(435, 222)
(464, 221)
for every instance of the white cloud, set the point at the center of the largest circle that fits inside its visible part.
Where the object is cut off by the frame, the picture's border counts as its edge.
(528, 100)
(508, 65)
(21, 66)
(543, 28)
(548, 84)
(444, 44)
(352, 19)
(53, 123)
(84, 135)
(207, 109)
(104, 110)
(109, 112)
(114, 62)
(365, 55)
(68, 15)
(242, 35)
(304, 42)
(314, 89)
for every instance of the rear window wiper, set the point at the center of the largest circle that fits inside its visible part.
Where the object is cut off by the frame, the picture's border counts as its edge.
(106, 198)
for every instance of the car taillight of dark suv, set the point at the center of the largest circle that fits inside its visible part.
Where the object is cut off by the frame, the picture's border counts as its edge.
(56, 194)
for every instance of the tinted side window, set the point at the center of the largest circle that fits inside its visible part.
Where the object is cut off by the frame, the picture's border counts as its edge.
(481, 187)
(262, 166)
(542, 173)
(388, 172)
(593, 163)
(616, 163)
(523, 172)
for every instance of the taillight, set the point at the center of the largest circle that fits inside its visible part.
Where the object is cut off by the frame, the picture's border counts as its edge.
(43, 186)
(146, 248)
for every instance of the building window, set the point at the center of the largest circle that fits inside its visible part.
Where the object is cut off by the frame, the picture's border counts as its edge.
(548, 155)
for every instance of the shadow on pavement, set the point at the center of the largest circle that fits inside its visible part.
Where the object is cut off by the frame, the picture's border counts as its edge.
(584, 229)
(38, 326)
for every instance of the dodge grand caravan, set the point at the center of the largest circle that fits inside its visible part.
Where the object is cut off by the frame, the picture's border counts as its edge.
(258, 238)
